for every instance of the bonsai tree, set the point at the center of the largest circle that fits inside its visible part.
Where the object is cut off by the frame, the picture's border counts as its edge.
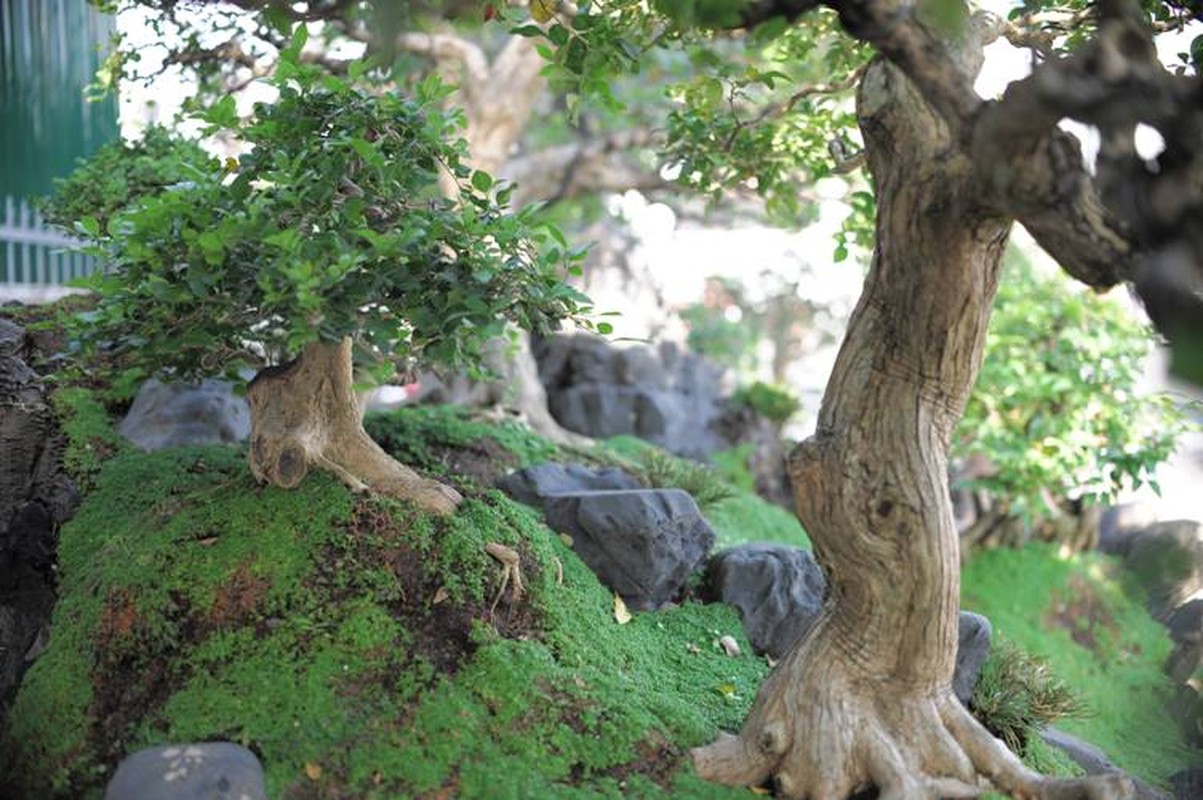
(328, 244)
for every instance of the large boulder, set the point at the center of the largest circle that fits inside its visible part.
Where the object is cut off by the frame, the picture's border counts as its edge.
(660, 394)
(1167, 559)
(779, 590)
(175, 414)
(206, 771)
(36, 497)
(642, 543)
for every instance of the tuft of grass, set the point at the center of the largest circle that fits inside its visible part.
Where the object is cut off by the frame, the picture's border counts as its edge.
(1017, 694)
(662, 471)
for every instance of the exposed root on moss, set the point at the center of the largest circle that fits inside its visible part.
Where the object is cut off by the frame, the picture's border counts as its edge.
(816, 732)
(306, 414)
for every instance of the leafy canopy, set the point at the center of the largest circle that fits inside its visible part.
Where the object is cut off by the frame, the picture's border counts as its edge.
(332, 225)
(1057, 404)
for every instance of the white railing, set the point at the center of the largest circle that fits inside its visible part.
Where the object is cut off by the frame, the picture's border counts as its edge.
(35, 255)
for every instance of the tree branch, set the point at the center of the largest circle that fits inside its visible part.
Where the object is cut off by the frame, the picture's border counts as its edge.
(598, 165)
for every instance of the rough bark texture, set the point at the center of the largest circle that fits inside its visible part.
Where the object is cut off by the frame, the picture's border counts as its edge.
(306, 414)
(865, 697)
(36, 497)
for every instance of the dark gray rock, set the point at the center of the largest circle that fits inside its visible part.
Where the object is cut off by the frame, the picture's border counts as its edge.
(1186, 631)
(599, 410)
(1094, 761)
(1167, 560)
(644, 544)
(1090, 758)
(1119, 525)
(174, 414)
(1188, 784)
(973, 648)
(533, 485)
(638, 366)
(661, 394)
(208, 771)
(779, 590)
(743, 427)
(1187, 710)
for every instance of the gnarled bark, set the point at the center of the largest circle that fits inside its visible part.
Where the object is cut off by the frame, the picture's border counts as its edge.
(865, 697)
(306, 414)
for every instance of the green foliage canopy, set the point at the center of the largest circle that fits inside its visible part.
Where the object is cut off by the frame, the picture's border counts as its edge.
(1057, 404)
(332, 225)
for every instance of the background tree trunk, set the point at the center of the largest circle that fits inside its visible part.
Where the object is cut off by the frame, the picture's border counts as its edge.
(865, 697)
(307, 414)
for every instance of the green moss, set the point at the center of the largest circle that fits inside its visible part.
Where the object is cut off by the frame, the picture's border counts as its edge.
(733, 464)
(420, 436)
(747, 518)
(1075, 614)
(197, 606)
(89, 431)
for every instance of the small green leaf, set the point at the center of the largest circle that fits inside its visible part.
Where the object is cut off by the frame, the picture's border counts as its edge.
(482, 181)
(88, 226)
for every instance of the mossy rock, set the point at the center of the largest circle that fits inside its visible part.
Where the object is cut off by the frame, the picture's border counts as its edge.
(359, 647)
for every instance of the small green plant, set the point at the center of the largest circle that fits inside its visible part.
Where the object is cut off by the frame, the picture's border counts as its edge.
(706, 484)
(1058, 413)
(1017, 694)
(773, 402)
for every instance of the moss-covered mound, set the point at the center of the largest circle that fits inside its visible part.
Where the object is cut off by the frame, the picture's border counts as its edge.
(365, 650)
(360, 648)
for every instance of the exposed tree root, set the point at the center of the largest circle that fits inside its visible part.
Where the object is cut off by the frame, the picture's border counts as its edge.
(822, 729)
(306, 414)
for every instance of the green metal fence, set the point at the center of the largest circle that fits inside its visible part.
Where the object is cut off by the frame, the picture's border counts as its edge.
(49, 53)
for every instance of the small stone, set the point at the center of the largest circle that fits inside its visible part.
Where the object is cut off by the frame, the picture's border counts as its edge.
(212, 770)
(729, 645)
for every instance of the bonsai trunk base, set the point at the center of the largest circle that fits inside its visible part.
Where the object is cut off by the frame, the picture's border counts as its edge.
(823, 728)
(306, 414)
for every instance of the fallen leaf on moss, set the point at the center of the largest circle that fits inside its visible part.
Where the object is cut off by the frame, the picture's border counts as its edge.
(314, 771)
(621, 612)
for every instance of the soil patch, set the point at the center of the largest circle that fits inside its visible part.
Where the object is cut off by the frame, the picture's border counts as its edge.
(1081, 610)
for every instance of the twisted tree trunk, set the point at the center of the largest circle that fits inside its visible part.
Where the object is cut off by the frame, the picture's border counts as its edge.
(307, 414)
(865, 697)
